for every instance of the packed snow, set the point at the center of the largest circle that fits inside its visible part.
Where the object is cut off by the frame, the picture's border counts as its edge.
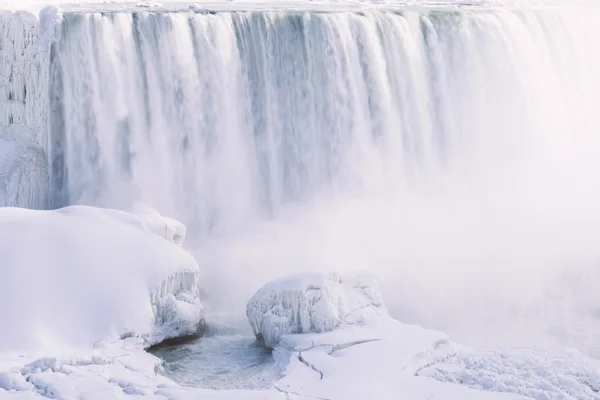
(79, 274)
(311, 303)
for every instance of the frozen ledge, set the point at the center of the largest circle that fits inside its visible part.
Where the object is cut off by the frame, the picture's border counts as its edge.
(311, 303)
(178, 312)
(79, 275)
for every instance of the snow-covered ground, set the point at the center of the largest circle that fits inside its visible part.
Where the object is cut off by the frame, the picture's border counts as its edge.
(101, 287)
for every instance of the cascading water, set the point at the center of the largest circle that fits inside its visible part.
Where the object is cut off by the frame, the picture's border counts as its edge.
(220, 119)
(450, 152)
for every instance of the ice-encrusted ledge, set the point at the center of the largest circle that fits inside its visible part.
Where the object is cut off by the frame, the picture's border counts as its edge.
(311, 303)
(25, 43)
(82, 275)
(177, 309)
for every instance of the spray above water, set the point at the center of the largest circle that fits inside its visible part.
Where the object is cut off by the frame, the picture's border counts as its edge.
(451, 154)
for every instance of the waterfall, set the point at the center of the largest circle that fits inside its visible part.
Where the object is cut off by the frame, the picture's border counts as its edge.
(223, 118)
(453, 152)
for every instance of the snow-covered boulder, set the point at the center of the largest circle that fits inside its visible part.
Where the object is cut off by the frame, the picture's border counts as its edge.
(168, 228)
(311, 303)
(74, 276)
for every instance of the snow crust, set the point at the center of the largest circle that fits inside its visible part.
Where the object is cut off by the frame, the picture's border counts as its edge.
(311, 303)
(77, 275)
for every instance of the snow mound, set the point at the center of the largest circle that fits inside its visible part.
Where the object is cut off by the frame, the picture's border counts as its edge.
(311, 303)
(74, 276)
(168, 228)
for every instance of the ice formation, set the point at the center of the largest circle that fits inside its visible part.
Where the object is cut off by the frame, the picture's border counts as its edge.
(77, 275)
(535, 373)
(311, 303)
(23, 169)
(168, 228)
(25, 41)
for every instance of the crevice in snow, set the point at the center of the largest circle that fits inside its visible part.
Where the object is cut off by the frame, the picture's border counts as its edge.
(330, 352)
(41, 387)
(310, 365)
(343, 346)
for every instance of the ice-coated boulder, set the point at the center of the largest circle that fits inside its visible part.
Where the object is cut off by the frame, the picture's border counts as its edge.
(311, 303)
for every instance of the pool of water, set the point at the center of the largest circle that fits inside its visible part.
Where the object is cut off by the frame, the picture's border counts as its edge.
(227, 357)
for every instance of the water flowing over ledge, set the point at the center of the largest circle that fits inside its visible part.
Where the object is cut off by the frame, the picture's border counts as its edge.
(220, 119)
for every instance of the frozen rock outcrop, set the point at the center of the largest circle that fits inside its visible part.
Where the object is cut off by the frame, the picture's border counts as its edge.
(311, 303)
(25, 42)
(23, 169)
(80, 274)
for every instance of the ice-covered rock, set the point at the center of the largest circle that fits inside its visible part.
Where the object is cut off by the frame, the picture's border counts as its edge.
(25, 41)
(73, 276)
(168, 228)
(23, 169)
(311, 303)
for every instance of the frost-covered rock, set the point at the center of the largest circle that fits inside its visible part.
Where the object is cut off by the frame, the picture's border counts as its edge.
(25, 41)
(311, 303)
(23, 169)
(168, 228)
(74, 276)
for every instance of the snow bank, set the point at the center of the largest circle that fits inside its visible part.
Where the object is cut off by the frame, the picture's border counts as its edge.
(311, 303)
(73, 276)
